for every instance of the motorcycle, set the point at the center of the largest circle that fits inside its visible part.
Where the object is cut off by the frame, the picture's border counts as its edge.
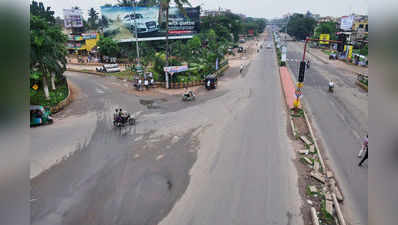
(331, 87)
(123, 121)
(188, 97)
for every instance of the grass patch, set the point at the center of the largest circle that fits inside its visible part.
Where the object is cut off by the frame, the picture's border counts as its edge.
(56, 96)
(325, 216)
(297, 112)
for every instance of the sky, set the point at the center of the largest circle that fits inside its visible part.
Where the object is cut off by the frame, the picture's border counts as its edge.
(255, 8)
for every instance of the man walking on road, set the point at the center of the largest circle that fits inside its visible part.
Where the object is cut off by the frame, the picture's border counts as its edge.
(365, 147)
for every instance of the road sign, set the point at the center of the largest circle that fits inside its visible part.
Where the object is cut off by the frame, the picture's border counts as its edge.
(300, 84)
(298, 92)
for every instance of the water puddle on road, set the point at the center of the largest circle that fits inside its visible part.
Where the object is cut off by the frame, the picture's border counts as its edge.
(152, 104)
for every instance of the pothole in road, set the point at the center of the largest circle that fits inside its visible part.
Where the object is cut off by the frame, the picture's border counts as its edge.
(153, 188)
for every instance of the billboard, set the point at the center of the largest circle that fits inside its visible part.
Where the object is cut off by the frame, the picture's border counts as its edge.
(346, 22)
(325, 39)
(121, 23)
(73, 18)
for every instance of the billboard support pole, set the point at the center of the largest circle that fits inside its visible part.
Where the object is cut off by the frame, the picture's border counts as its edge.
(136, 34)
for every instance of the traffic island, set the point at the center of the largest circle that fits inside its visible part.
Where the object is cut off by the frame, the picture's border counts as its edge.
(316, 181)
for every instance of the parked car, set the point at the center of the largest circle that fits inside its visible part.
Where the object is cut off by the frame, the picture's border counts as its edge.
(242, 40)
(144, 24)
(108, 68)
(39, 115)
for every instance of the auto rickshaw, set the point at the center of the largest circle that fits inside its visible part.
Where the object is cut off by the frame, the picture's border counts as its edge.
(39, 115)
(210, 82)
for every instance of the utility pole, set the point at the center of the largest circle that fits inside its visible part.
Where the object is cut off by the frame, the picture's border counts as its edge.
(300, 83)
(136, 33)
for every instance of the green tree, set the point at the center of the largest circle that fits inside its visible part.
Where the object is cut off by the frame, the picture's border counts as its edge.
(300, 26)
(38, 9)
(92, 19)
(148, 3)
(108, 47)
(326, 28)
(47, 50)
(164, 6)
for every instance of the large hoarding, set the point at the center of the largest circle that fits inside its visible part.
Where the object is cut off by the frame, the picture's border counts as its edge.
(121, 23)
(346, 22)
(73, 18)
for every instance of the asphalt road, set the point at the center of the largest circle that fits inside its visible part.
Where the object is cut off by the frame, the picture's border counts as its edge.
(224, 159)
(342, 121)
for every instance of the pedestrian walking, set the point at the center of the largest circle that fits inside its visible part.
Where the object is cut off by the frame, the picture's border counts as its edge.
(364, 146)
(364, 158)
(241, 68)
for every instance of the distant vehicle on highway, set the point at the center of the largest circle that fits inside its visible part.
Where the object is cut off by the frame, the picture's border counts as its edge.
(108, 68)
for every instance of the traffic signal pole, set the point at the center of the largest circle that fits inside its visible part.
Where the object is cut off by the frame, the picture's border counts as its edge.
(300, 83)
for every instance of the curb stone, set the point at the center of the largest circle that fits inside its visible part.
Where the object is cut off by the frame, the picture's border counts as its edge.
(62, 104)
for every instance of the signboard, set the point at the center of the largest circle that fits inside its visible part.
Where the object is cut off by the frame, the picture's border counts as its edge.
(325, 39)
(346, 22)
(121, 23)
(175, 69)
(283, 57)
(73, 18)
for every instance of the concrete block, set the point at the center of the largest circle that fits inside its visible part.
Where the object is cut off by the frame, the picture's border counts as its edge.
(307, 160)
(318, 176)
(315, 220)
(312, 149)
(329, 207)
(328, 196)
(313, 189)
(316, 166)
(305, 140)
(303, 152)
(338, 193)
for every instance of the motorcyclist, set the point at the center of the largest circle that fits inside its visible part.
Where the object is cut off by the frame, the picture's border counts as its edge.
(331, 85)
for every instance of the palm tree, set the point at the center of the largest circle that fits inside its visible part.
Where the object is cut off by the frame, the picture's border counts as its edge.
(165, 5)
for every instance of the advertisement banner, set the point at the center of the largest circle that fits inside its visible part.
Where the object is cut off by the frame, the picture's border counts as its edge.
(325, 39)
(73, 18)
(121, 23)
(346, 22)
(175, 69)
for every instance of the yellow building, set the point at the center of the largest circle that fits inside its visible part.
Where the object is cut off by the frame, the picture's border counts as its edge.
(82, 43)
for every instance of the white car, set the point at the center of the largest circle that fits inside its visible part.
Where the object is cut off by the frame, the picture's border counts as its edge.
(269, 46)
(144, 24)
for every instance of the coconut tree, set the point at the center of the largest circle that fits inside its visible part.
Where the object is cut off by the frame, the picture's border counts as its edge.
(164, 6)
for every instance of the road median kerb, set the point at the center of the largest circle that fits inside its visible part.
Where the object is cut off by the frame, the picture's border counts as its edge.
(315, 174)
(62, 104)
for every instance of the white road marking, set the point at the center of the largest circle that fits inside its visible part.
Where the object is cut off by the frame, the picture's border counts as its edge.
(99, 91)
